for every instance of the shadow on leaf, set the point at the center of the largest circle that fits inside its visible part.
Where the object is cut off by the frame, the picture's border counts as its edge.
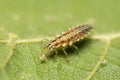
(71, 50)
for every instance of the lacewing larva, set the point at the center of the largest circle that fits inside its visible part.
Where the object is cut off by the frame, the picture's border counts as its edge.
(66, 39)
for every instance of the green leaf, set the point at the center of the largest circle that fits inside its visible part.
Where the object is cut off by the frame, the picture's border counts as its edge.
(24, 25)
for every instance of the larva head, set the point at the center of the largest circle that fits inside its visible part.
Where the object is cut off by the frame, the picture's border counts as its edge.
(44, 54)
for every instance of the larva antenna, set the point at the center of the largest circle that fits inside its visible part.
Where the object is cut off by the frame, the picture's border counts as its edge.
(44, 42)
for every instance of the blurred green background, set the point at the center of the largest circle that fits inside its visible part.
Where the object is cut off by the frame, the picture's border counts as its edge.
(36, 18)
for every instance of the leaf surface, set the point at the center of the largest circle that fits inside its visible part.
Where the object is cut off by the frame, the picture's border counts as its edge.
(23, 25)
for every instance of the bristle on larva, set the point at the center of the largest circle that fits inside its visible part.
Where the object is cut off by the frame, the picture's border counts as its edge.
(67, 39)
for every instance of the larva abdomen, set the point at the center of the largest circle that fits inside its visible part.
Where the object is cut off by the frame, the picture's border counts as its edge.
(71, 36)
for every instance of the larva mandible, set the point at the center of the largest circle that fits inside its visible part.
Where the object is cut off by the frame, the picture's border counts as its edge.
(66, 39)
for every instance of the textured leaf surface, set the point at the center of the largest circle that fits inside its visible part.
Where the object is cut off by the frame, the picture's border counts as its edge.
(23, 25)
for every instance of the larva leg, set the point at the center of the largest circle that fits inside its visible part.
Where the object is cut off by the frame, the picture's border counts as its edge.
(65, 52)
(55, 53)
(75, 46)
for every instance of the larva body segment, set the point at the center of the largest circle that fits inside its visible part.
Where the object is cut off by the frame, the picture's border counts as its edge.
(68, 38)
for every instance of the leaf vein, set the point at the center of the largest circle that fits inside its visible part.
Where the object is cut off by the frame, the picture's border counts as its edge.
(99, 61)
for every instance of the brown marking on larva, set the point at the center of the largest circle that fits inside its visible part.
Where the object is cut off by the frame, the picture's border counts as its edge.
(68, 38)
(71, 35)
